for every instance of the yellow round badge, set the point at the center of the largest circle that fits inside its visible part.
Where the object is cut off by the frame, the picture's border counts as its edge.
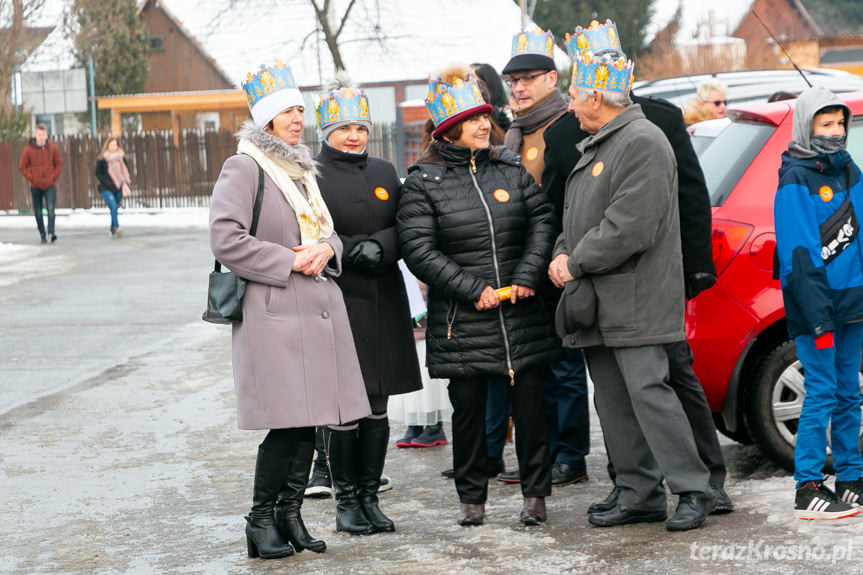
(382, 194)
(826, 193)
(597, 169)
(531, 153)
(501, 195)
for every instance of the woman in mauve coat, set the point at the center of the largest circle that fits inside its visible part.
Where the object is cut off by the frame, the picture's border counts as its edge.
(362, 194)
(295, 366)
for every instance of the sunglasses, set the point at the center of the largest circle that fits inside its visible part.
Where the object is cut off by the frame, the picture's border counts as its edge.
(525, 80)
(718, 103)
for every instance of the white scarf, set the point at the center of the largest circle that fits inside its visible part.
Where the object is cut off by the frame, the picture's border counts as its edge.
(312, 214)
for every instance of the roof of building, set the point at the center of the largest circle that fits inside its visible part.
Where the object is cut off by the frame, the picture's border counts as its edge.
(382, 40)
(699, 19)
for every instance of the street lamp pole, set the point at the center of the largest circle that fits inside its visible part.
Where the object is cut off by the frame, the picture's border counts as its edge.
(92, 97)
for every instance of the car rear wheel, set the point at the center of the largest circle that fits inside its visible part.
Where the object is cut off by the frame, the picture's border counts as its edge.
(775, 403)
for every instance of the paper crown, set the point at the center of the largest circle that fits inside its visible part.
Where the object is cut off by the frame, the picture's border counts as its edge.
(533, 41)
(344, 106)
(271, 90)
(603, 71)
(450, 102)
(532, 49)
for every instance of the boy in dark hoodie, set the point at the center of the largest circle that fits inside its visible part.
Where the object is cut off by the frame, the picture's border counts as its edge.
(817, 209)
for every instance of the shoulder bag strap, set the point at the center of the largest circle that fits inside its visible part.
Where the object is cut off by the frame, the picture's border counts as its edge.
(256, 211)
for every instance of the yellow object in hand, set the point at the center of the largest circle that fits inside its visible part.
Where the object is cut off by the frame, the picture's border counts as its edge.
(504, 293)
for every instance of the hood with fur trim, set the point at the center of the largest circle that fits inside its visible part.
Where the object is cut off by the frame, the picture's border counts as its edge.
(278, 148)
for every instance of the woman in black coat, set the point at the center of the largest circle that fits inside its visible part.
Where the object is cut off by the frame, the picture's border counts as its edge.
(362, 194)
(473, 221)
(112, 172)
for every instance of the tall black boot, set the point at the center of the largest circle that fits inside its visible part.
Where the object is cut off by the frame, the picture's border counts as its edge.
(342, 448)
(262, 536)
(373, 452)
(288, 519)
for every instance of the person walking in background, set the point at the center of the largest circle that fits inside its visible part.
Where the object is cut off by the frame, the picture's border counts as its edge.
(295, 365)
(710, 103)
(532, 76)
(473, 221)
(621, 245)
(817, 211)
(112, 172)
(362, 193)
(41, 165)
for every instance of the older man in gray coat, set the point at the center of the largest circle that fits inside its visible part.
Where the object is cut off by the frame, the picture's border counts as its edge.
(620, 247)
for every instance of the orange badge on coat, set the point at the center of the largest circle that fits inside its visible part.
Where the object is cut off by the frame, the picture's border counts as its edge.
(826, 193)
(382, 194)
(597, 169)
(501, 195)
(531, 153)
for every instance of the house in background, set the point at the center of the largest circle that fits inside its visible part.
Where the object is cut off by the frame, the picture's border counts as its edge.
(726, 36)
(201, 50)
(810, 39)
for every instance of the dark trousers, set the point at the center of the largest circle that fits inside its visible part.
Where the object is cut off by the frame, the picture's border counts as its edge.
(682, 379)
(567, 410)
(497, 412)
(470, 451)
(50, 200)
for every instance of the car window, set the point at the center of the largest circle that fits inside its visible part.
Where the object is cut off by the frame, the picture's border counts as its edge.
(728, 156)
(855, 140)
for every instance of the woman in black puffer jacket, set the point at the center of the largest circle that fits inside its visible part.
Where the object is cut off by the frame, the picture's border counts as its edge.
(471, 221)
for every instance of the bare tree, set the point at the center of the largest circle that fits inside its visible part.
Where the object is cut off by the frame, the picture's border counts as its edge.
(330, 36)
(14, 15)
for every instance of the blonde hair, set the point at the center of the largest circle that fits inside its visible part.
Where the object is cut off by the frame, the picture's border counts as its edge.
(105, 147)
(709, 85)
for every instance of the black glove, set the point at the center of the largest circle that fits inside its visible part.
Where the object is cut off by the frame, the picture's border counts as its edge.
(366, 256)
(697, 283)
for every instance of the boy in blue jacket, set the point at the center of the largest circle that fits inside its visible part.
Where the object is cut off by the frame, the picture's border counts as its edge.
(817, 211)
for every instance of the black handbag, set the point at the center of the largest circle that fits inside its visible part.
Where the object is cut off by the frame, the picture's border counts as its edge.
(226, 289)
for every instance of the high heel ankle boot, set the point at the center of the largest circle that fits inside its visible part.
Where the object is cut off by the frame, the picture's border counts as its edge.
(342, 448)
(373, 452)
(288, 519)
(262, 537)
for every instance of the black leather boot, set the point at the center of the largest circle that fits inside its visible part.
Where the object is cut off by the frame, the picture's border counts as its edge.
(342, 454)
(373, 452)
(288, 520)
(262, 536)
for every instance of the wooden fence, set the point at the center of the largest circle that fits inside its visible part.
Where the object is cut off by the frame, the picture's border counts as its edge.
(163, 176)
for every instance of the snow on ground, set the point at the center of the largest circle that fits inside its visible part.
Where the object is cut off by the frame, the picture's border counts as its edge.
(24, 261)
(100, 218)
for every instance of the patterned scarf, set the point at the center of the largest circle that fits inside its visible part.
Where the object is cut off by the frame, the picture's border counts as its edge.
(552, 105)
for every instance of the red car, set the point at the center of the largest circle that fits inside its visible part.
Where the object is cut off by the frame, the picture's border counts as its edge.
(737, 331)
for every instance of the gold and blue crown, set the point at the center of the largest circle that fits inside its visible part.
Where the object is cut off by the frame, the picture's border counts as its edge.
(267, 80)
(447, 99)
(602, 72)
(348, 105)
(533, 41)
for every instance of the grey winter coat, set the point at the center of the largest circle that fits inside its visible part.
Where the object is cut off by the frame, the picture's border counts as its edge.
(621, 230)
(293, 354)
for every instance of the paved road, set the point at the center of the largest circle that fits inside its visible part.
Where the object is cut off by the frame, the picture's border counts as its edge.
(120, 452)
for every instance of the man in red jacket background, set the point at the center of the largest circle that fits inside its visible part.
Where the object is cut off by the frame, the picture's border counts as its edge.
(40, 163)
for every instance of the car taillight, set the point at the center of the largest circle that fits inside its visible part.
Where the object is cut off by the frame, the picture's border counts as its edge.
(727, 239)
